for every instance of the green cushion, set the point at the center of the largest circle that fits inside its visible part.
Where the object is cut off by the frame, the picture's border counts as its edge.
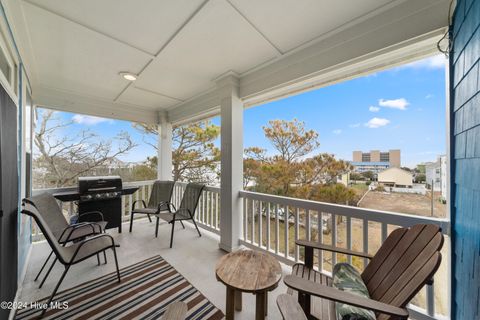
(347, 278)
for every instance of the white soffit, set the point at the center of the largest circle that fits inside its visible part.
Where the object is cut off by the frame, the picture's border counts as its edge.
(216, 40)
(292, 23)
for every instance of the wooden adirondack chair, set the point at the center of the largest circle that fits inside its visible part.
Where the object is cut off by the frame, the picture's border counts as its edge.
(405, 262)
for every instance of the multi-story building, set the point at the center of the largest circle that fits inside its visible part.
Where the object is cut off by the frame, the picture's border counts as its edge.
(375, 160)
(436, 175)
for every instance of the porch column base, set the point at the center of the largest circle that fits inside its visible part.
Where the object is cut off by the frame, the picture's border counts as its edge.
(226, 248)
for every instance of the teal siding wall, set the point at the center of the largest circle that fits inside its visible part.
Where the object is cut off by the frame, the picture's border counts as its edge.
(465, 117)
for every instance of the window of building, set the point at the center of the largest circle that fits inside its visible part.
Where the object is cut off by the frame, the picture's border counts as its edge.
(384, 157)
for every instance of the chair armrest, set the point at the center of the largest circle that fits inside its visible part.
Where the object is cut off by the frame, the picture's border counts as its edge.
(289, 308)
(315, 289)
(165, 204)
(316, 245)
(172, 206)
(183, 209)
(142, 201)
(75, 226)
(98, 213)
(89, 240)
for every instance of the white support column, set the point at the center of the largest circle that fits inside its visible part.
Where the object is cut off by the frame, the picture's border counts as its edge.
(164, 154)
(231, 110)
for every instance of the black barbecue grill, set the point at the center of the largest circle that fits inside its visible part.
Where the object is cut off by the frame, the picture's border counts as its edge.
(102, 194)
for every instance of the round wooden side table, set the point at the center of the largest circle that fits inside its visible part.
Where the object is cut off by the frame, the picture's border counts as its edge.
(248, 271)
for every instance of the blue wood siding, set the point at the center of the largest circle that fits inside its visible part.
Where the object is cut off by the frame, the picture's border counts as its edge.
(465, 115)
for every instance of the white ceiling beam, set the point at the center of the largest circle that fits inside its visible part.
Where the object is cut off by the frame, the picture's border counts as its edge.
(61, 100)
(203, 106)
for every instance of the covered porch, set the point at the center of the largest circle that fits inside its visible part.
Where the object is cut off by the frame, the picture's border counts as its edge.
(217, 58)
(262, 227)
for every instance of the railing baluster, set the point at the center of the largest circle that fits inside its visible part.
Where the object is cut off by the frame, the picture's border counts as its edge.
(297, 227)
(384, 231)
(277, 231)
(349, 238)
(216, 212)
(207, 206)
(210, 211)
(202, 208)
(286, 227)
(130, 202)
(245, 219)
(320, 237)
(123, 208)
(365, 241)
(267, 219)
(334, 239)
(307, 225)
(260, 224)
(253, 221)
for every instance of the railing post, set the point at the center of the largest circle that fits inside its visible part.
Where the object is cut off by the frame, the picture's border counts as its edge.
(164, 152)
(231, 111)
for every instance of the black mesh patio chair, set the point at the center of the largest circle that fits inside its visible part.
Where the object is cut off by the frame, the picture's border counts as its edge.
(187, 208)
(62, 231)
(159, 201)
(75, 252)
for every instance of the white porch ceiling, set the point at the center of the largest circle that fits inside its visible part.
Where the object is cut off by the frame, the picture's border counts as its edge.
(77, 48)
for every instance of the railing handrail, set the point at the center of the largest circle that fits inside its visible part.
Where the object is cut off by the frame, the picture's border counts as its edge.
(388, 217)
(207, 188)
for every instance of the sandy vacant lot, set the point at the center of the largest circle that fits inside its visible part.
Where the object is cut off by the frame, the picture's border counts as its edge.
(404, 203)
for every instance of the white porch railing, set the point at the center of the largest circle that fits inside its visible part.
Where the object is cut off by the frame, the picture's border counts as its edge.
(273, 223)
(341, 226)
(207, 215)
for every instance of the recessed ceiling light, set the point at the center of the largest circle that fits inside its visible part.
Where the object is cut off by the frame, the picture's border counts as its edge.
(128, 76)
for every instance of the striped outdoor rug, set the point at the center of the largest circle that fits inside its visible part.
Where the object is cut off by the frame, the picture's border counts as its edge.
(147, 288)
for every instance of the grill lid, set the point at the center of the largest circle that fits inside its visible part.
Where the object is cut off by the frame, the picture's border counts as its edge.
(99, 184)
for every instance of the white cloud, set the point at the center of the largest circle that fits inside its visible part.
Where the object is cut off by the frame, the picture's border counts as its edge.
(373, 109)
(337, 131)
(355, 125)
(435, 62)
(429, 96)
(89, 120)
(377, 123)
(400, 104)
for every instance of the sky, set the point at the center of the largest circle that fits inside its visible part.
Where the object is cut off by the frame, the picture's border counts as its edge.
(401, 108)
